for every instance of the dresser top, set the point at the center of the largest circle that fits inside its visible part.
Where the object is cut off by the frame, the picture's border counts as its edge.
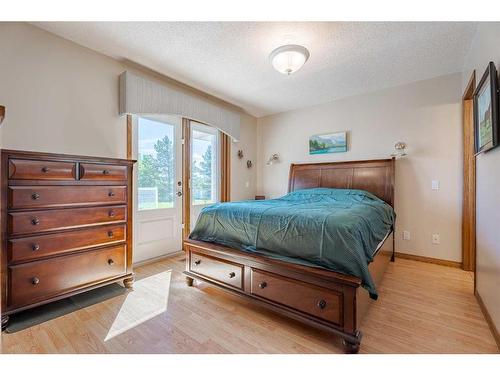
(62, 157)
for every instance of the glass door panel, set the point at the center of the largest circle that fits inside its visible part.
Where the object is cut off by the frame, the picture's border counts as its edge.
(205, 168)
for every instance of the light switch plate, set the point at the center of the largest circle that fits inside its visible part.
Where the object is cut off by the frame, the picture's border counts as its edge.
(435, 184)
(406, 235)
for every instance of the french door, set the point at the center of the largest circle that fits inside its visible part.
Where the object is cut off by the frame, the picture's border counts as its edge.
(205, 169)
(157, 147)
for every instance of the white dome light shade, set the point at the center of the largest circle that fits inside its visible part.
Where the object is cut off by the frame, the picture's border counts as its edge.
(288, 59)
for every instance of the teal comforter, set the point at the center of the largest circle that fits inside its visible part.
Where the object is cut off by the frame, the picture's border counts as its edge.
(337, 229)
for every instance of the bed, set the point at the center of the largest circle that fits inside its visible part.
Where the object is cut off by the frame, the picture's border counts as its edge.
(315, 255)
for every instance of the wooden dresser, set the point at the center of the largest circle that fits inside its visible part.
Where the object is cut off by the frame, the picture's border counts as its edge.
(65, 226)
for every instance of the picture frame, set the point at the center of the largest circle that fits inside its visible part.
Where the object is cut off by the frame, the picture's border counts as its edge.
(486, 111)
(328, 143)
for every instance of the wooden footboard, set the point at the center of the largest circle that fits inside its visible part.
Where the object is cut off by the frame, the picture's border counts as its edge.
(319, 297)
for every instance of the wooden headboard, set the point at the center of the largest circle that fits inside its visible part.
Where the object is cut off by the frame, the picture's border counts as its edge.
(375, 176)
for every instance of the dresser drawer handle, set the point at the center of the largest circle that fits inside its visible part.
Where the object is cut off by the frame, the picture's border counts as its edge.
(111, 262)
(197, 262)
(111, 213)
(231, 275)
(35, 196)
(105, 171)
(322, 304)
(35, 247)
(45, 169)
(35, 221)
(262, 285)
(35, 280)
(111, 193)
(110, 234)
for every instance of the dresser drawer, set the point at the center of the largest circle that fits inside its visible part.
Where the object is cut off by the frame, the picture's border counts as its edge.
(319, 302)
(40, 221)
(35, 247)
(20, 169)
(65, 196)
(36, 281)
(102, 172)
(216, 269)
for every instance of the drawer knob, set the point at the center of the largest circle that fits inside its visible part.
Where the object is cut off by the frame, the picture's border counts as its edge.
(35, 280)
(45, 169)
(110, 233)
(35, 247)
(105, 172)
(111, 213)
(322, 304)
(35, 221)
(262, 285)
(231, 275)
(35, 196)
(111, 193)
(111, 262)
(197, 262)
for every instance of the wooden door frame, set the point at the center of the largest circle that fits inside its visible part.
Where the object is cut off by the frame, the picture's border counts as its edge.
(469, 178)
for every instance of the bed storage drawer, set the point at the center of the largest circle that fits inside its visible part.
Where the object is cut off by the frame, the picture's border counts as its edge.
(35, 281)
(102, 172)
(308, 298)
(217, 269)
(65, 196)
(20, 169)
(40, 221)
(36, 247)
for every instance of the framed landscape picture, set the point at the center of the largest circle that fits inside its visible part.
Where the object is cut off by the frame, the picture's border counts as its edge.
(328, 143)
(486, 110)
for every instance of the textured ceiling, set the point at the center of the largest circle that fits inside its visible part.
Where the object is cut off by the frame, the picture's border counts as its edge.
(230, 59)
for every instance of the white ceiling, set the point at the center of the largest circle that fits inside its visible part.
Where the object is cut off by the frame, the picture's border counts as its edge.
(230, 59)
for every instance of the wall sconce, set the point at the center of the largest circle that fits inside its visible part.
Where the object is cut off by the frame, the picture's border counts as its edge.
(240, 154)
(400, 148)
(249, 164)
(273, 159)
(2, 113)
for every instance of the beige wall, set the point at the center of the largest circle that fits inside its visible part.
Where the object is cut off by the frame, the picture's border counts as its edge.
(59, 97)
(63, 98)
(243, 179)
(485, 48)
(426, 115)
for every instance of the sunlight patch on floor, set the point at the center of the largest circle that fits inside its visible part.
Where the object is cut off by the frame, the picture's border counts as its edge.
(148, 299)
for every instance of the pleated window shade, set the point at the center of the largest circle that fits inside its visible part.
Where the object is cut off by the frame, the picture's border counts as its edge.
(140, 96)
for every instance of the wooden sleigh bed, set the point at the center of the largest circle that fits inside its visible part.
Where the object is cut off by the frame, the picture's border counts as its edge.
(316, 296)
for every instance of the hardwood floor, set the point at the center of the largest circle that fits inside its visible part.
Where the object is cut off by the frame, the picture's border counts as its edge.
(423, 308)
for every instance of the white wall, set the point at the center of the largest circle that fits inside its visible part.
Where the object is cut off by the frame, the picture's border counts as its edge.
(485, 48)
(426, 115)
(63, 98)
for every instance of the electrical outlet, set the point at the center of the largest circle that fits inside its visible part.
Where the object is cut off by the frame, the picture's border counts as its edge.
(435, 184)
(247, 184)
(406, 235)
(436, 240)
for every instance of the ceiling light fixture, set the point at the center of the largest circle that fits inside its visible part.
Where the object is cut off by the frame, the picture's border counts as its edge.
(288, 59)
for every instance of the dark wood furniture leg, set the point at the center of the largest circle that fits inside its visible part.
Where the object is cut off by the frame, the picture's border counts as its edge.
(189, 281)
(128, 283)
(350, 347)
(393, 255)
